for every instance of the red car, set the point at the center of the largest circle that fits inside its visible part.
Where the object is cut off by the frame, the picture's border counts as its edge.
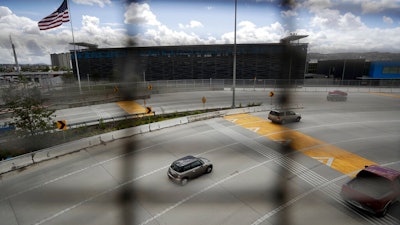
(336, 95)
(374, 189)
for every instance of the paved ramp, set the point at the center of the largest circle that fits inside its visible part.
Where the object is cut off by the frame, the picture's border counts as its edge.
(333, 156)
(131, 107)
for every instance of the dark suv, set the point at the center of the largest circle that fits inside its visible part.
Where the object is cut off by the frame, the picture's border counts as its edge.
(189, 167)
(283, 116)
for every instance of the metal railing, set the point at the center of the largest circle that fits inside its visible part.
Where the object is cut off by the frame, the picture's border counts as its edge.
(112, 87)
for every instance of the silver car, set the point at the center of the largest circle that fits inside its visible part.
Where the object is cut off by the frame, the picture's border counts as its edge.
(189, 167)
(283, 116)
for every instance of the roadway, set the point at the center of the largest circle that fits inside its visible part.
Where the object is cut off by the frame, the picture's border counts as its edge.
(188, 101)
(332, 141)
(163, 103)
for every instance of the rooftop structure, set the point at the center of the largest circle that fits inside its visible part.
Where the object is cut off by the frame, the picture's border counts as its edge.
(293, 37)
(84, 44)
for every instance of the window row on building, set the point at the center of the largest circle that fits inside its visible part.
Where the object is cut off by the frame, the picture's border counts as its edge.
(263, 61)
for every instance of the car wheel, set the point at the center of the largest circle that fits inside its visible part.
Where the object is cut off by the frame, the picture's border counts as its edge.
(184, 181)
(298, 119)
(383, 213)
(209, 169)
(385, 210)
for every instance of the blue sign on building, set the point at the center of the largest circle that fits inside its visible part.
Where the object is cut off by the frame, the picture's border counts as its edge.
(384, 70)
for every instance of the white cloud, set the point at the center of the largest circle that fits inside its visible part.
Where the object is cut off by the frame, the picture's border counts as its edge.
(316, 5)
(325, 18)
(375, 6)
(103, 36)
(329, 31)
(4, 11)
(35, 46)
(288, 13)
(247, 32)
(332, 19)
(387, 20)
(162, 35)
(192, 24)
(363, 39)
(349, 22)
(140, 14)
(101, 3)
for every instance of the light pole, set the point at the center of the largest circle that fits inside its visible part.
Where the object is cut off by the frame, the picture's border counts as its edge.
(344, 68)
(234, 61)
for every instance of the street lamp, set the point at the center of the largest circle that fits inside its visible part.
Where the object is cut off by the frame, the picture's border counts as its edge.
(234, 61)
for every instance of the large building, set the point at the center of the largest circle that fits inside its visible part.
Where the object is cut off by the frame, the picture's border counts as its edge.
(343, 69)
(62, 60)
(284, 60)
(355, 69)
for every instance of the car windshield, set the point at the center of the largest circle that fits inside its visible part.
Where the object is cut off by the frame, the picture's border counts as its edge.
(371, 184)
(177, 168)
(275, 113)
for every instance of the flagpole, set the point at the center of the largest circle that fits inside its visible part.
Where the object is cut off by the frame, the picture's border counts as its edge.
(73, 42)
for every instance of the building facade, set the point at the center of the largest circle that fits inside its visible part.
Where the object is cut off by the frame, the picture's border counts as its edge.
(261, 61)
(353, 69)
(62, 60)
(384, 70)
(343, 69)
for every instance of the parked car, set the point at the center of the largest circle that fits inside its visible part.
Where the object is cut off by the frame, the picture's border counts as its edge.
(283, 116)
(189, 167)
(374, 189)
(336, 95)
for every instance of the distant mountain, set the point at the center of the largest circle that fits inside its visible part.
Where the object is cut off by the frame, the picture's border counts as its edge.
(368, 56)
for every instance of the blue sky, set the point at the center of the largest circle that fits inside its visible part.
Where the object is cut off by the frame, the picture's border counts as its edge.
(332, 25)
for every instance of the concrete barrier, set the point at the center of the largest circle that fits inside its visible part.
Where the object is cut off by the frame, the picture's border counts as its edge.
(74, 146)
(16, 163)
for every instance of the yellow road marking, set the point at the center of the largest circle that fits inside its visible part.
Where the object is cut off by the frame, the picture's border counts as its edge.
(342, 160)
(131, 107)
(386, 94)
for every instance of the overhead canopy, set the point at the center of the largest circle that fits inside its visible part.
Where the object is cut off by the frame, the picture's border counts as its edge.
(292, 37)
(84, 44)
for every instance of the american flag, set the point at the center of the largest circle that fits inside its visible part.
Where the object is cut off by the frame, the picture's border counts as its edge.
(56, 18)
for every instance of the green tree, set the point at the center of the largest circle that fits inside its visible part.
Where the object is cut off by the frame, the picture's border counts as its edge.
(29, 114)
